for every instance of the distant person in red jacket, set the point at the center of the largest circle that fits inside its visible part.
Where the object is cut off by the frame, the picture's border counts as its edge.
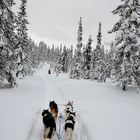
(49, 71)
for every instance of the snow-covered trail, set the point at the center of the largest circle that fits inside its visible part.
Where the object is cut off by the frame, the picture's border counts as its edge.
(103, 111)
(56, 93)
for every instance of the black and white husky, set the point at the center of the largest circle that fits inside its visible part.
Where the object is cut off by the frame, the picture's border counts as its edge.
(68, 109)
(49, 125)
(69, 121)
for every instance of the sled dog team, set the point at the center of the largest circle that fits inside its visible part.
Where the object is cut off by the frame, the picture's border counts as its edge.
(49, 120)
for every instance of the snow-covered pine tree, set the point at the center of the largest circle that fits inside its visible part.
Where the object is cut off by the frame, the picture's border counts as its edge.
(56, 60)
(18, 54)
(42, 57)
(72, 62)
(109, 58)
(52, 57)
(48, 54)
(64, 60)
(99, 58)
(127, 42)
(23, 39)
(34, 54)
(58, 64)
(87, 54)
(92, 66)
(60, 48)
(70, 57)
(56, 54)
(76, 70)
(7, 58)
(62, 64)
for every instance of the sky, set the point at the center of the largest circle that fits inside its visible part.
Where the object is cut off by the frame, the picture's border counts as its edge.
(56, 21)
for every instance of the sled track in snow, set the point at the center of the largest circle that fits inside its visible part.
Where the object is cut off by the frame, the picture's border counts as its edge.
(36, 130)
(55, 86)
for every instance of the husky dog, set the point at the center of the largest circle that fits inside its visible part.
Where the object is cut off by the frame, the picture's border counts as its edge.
(69, 126)
(69, 121)
(49, 125)
(53, 109)
(68, 109)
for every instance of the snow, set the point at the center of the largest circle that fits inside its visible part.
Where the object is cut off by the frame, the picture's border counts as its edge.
(103, 111)
(18, 108)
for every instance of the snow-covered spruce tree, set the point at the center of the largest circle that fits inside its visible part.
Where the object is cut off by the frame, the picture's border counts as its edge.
(87, 54)
(42, 54)
(62, 64)
(127, 42)
(58, 66)
(73, 53)
(56, 54)
(58, 63)
(70, 58)
(99, 59)
(64, 60)
(52, 57)
(23, 40)
(109, 58)
(7, 57)
(34, 54)
(92, 66)
(76, 70)
(48, 54)
(57, 69)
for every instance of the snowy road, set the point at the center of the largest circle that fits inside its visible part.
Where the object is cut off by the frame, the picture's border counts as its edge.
(54, 92)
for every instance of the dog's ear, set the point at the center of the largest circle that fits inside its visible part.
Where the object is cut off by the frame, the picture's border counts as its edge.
(43, 112)
(70, 102)
(50, 104)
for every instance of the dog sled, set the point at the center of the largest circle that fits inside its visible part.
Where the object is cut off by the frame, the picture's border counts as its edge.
(59, 125)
